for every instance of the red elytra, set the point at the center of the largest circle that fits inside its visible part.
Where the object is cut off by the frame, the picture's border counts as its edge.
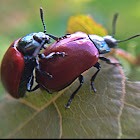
(12, 68)
(81, 55)
(19, 62)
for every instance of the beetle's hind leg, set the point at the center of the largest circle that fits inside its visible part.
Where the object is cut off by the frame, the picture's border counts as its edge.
(98, 66)
(81, 80)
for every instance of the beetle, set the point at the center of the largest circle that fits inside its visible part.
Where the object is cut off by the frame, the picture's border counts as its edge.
(21, 59)
(83, 52)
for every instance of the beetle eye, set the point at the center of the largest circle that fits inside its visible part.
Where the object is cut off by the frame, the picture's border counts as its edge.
(110, 41)
(40, 36)
(36, 38)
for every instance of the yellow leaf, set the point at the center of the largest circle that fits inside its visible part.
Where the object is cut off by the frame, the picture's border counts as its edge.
(86, 24)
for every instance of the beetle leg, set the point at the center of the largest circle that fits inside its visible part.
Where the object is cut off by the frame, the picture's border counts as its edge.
(44, 73)
(46, 89)
(58, 38)
(35, 88)
(98, 66)
(51, 55)
(81, 80)
(29, 88)
(108, 61)
(64, 36)
(30, 84)
(31, 81)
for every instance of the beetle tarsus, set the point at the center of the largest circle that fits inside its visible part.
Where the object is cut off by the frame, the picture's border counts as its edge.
(92, 87)
(51, 55)
(68, 104)
(47, 74)
(63, 37)
(60, 54)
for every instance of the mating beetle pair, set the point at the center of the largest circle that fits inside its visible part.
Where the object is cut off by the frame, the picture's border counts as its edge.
(59, 65)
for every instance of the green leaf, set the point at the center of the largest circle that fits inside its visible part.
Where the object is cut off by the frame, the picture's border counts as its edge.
(112, 112)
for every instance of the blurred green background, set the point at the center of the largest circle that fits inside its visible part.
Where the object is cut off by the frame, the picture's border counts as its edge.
(20, 17)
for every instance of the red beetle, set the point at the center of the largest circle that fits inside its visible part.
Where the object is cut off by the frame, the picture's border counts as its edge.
(20, 60)
(83, 52)
(77, 46)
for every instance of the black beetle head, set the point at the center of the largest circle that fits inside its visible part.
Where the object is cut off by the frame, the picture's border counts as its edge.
(32, 43)
(111, 42)
(29, 43)
(103, 44)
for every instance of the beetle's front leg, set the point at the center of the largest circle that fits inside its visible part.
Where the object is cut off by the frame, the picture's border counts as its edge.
(51, 55)
(64, 36)
(58, 38)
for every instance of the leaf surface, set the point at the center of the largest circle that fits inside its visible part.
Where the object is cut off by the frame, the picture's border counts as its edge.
(86, 24)
(111, 112)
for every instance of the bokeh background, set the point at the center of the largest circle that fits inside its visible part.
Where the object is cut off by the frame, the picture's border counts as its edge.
(20, 17)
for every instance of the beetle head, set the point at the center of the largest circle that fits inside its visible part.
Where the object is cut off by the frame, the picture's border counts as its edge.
(32, 43)
(29, 43)
(103, 44)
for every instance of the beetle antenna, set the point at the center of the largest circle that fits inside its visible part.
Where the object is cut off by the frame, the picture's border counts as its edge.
(118, 41)
(114, 24)
(41, 15)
